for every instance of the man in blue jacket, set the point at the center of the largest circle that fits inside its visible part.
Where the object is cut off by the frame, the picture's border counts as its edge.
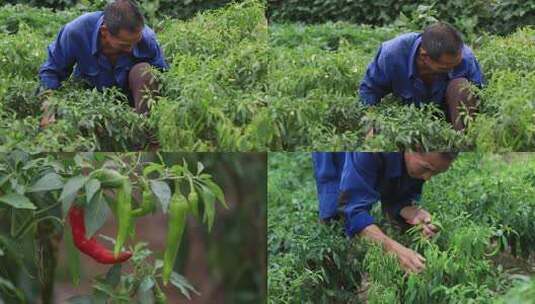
(348, 185)
(109, 48)
(433, 66)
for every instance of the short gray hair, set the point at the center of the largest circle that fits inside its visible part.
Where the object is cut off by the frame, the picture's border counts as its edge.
(123, 15)
(441, 38)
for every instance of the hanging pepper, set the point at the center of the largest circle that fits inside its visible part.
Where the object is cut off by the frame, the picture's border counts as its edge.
(178, 209)
(160, 297)
(193, 200)
(109, 178)
(124, 209)
(90, 246)
(147, 204)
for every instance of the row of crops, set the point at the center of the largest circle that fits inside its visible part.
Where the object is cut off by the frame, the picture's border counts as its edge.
(237, 84)
(485, 252)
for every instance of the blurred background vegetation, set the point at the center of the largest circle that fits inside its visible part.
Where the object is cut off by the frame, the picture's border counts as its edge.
(496, 16)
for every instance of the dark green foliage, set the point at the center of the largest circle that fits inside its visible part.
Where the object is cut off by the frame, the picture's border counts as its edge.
(182, 9)
(40, 20)
(469, 16)
(87, 120)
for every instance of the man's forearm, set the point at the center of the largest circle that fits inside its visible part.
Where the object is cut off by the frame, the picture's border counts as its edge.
(375, 234)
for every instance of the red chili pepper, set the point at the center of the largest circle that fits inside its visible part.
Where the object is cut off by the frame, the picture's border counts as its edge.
(90, 246)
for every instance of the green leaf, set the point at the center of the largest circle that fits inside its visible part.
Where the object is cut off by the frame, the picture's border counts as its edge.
(73, 255)
(4, 179)
(146, 284)
(96, 214)
(73, 185)
(183, 285)
(70, 190)
(8, 285)
(200, 167)
(144, 291)
(209, 207)
(91, 187)
(17, 201)
(158, 264)
(217, 192)
(50, 181)
(162, 191)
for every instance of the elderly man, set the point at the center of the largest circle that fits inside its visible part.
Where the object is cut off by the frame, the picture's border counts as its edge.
(109, 48)
(349, 184)
(421, 67)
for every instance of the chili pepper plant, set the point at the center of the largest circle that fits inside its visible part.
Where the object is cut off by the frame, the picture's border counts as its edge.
(53, 200)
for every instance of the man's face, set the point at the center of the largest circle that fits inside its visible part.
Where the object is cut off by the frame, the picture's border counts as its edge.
(122, 43)
(444, 64)
(425, 165)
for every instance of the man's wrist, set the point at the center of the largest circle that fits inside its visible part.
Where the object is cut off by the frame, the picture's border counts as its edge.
(405, 209)
(390, 245)
(403, 212)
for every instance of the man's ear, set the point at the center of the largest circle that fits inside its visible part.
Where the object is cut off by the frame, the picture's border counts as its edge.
(104, 31)
(423, 52)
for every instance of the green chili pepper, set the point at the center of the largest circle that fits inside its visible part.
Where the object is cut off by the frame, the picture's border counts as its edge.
(124, 209)
(147, 205)
(193, 200)
(160, 297)
(178, 210)
(109, 178)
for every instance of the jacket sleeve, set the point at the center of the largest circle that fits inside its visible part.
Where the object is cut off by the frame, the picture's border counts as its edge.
(474, 73)
(327, 171)
(376, 83)
(60, 61)
(359, 187)
(158, 59)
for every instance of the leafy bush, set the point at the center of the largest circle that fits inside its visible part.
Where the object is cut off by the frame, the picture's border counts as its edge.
(214, 87)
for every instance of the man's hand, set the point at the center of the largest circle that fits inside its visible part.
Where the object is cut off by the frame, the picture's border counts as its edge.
(48, 113)
(408, 259)
(415, 215)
